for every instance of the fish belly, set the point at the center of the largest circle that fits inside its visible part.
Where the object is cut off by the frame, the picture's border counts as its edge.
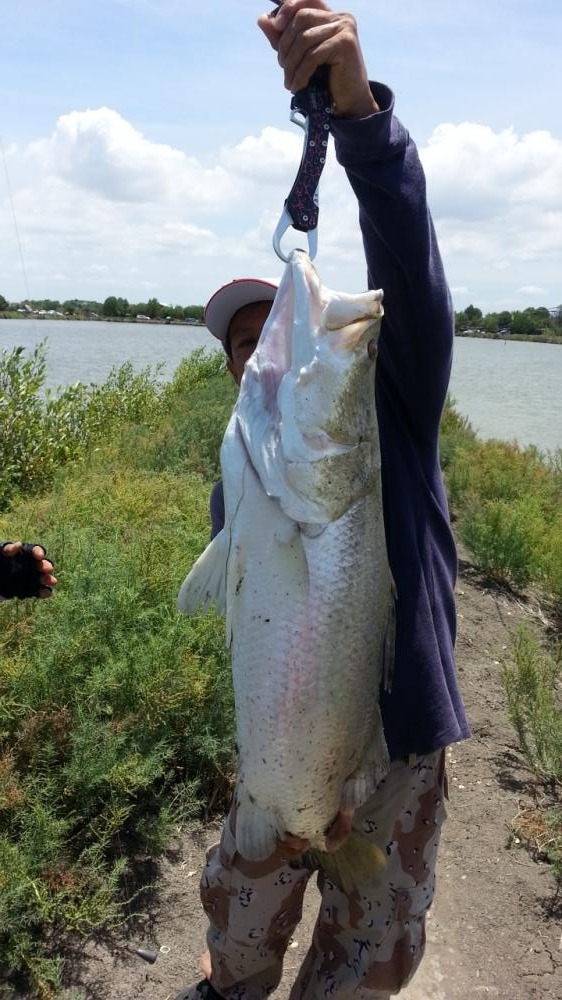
(308, 618)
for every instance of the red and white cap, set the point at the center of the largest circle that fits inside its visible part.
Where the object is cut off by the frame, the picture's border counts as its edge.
(229, 298)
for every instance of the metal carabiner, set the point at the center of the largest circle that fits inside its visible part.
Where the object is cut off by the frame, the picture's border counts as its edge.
(285, 223)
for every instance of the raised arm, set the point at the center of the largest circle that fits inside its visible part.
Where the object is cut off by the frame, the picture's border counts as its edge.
(384, 170)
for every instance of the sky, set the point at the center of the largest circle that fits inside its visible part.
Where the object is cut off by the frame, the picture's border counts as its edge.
(147, 147)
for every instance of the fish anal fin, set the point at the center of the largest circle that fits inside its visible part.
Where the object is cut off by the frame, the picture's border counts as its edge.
(374, 766)
(257, 828)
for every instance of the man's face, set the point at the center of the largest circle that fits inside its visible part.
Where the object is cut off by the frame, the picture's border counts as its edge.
(244, 333)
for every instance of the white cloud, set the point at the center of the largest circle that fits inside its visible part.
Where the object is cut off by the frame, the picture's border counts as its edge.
(102, 210)
(477, 172)
(269, 158)
(497, 201)
(100, 151)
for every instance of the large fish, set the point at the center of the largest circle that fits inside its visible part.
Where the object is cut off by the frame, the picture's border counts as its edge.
(301, 566)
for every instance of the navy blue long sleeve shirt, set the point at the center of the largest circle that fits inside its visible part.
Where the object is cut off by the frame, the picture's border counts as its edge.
(424, 710)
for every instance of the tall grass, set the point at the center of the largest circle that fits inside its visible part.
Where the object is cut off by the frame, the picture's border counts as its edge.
(532, 677)
(533, 683)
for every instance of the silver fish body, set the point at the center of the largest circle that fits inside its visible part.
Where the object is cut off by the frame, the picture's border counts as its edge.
(301, 566)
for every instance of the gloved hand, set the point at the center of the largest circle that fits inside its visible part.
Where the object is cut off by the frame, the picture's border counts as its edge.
(25, 571)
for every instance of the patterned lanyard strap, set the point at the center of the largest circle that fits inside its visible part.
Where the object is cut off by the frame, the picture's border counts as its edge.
(311, 109)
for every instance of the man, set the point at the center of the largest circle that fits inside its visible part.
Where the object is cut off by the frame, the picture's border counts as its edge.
(25, 571)
(235, 314)
(367, 943)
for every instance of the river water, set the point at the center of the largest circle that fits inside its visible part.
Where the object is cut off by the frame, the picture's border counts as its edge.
(508, 390)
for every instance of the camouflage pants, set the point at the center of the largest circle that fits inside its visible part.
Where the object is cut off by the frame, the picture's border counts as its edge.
(367, 943)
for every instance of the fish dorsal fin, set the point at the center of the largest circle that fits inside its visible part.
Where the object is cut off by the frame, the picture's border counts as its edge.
(205, 584)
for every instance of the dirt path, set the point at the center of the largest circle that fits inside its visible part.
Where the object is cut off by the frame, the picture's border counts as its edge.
(492, 931)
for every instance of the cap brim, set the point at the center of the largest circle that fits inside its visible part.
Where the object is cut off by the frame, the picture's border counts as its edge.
(228, 299)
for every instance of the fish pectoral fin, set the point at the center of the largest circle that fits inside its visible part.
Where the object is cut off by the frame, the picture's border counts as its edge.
(205, 584)
(357, 861)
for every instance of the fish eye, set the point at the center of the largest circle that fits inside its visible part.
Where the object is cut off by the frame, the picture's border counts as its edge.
(372, 349)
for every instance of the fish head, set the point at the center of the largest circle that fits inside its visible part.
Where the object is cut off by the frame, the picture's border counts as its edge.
(308, 395)
(342, 369)
(327, 397)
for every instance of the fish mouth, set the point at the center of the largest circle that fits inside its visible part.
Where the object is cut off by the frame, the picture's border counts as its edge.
(345, 321)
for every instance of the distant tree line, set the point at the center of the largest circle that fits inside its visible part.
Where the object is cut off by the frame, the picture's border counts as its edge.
(112, 308)
(120, 308)
(530, 322)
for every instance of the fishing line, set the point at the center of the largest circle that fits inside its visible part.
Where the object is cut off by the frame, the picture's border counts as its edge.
(15, 220)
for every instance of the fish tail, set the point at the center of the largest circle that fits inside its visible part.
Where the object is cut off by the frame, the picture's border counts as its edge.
(355, 862)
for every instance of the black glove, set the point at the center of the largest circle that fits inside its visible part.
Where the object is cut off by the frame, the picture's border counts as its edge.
(20, 574)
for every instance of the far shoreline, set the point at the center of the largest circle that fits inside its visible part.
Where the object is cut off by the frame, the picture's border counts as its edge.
(103, 319)
(541, 338)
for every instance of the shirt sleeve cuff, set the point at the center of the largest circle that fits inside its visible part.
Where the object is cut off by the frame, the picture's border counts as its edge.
(374, 138)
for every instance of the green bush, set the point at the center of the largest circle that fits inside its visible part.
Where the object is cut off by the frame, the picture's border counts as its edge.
(116, 714)
(456, 432)
(551, 559)
(533, 682)
(532, 678)
(504, 538)
(41, 431)
(506, 504)
(199, 402)
(108, 701)
(496, 470)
